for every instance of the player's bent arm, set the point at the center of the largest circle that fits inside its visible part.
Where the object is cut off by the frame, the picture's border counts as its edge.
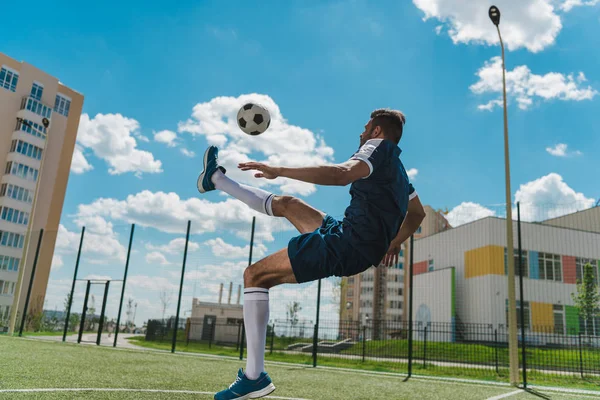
(414, 216)
(332, 175)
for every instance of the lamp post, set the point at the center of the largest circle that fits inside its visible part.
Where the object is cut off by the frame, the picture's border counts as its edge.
(494, 14)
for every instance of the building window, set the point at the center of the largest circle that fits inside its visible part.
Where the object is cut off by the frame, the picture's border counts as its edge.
(591, 327)
(559, 319)
(32, 128)
(11, 239)
(526, 311)
(7, 288)
(26, 149)
(36, 91)
(550, 267)
(580, 263)
(524, 259)
(62, 105)
(14, 216)
(9, 79)
(22, 171)
(418, 230)
(16, 192)
(10, 264)
(430, 266)
(400, 265)
(36, 106)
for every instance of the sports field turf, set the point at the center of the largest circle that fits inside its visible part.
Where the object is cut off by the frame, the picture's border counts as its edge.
(33, 364)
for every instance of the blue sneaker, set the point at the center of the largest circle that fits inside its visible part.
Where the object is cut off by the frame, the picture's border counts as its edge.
(211, 155)
(244, 388)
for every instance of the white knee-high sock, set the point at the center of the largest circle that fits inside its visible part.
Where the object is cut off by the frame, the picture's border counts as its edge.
(257, 199)
(256, 318)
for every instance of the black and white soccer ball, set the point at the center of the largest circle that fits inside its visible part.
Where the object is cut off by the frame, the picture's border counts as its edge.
(253, 119)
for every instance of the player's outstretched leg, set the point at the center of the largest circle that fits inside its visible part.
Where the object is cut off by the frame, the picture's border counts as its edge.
(254, 382)
(304, 217)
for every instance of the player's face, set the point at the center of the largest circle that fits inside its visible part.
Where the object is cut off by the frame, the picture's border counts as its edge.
(370, 132)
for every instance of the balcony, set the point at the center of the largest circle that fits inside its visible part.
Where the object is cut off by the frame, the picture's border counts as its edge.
(34, 110)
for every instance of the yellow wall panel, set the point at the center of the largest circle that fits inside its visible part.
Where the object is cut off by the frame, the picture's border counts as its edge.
(484, 261)
(542, 317)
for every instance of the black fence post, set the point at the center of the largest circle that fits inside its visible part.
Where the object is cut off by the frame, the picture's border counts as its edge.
(35, 260)
(424, 347)
(123, 287)
(185, 250)
(522, 298)
(496, 349)
(84, 311)
(272, 338)
(102, 313)
(237, 344)
(316, 328)
(580, 356)
(364, 341)
(410, 308)
(212, 335)
(68, 316)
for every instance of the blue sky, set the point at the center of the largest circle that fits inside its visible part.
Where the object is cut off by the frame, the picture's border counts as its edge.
(323, 67)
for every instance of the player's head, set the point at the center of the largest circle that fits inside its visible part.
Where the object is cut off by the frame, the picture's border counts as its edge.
(384, 124)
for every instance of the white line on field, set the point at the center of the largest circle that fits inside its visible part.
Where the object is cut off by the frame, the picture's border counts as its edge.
(505, 395)
(124, 390)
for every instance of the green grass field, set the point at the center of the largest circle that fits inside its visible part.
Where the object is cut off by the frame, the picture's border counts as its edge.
(30, 365)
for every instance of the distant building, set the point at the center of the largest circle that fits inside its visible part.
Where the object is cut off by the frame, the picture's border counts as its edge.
(219, 322)
(36, 161)
(554, 253)
(378, 293)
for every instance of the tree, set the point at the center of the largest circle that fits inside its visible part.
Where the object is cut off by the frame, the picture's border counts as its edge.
(293, 308)
(587, 298)
(129, 311)
(67, 302)
(165, 300)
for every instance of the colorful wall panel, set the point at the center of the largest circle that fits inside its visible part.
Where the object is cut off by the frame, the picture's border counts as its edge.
(488, 260)
(420, 267)
(572, 317)
(542, 317)
(569, 269)
(534, 265)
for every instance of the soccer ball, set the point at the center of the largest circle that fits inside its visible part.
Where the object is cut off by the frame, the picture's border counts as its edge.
(253, 119)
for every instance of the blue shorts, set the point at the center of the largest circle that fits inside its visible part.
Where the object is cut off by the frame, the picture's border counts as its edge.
(325, 252)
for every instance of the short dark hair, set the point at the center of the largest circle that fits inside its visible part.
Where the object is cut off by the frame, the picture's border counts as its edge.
(391, 122)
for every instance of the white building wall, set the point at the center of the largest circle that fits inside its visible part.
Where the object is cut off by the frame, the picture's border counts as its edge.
(482, 299)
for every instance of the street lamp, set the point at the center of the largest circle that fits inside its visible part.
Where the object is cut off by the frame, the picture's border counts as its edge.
(494, 14)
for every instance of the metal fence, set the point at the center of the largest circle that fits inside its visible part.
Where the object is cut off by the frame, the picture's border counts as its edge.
(442, 310)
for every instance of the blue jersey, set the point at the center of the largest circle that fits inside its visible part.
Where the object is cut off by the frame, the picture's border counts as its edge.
(379, 201)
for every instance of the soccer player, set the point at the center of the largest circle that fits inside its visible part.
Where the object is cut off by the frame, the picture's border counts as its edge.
(383, 213)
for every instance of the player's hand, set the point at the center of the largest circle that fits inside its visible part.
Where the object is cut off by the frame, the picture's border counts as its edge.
(391, 257)
(265, 171)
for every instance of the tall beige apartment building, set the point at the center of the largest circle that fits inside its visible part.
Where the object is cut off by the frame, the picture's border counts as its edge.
(379, 294)
(35, 161)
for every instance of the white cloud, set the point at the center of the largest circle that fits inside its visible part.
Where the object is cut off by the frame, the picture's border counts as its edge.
(103, 247)
(167, 212)
(167, 137)
(111, 138)
(281, 144)
(530, 24)
(468, 212)
(561, 150)
(188, 153)
(225, 250)
(57, 262)
(412, 173)
(175, 246)
(79, 164)
(156, 257)
(525, 86)
(549, 197)
(567, 5)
